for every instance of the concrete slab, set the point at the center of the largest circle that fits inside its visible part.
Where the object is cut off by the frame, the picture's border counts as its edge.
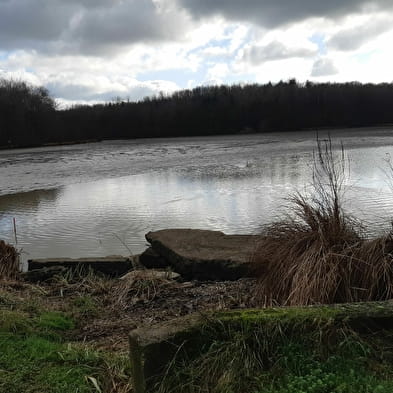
(113, 266)
(204, 255)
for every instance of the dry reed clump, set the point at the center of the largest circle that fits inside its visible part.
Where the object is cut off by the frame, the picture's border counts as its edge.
(9, 261)
(371, 271)
(81, 281)
(319, 255)
(140, 286)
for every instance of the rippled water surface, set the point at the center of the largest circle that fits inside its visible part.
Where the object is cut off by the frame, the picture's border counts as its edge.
(100, 199)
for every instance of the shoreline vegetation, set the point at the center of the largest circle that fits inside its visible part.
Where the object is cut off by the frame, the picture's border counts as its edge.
(30, 117)
(51, 144)
(319, 254)
(70, 333)
(370, 128)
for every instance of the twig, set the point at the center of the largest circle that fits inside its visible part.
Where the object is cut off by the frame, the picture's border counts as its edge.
(15, 235)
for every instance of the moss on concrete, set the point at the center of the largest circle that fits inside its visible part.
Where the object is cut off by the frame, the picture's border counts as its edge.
(193, 335)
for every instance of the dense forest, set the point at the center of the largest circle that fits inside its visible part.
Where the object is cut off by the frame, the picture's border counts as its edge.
(29, 117)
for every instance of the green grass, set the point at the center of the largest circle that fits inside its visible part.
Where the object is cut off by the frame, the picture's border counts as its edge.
(275, 357)
(36, 357)
(85, 306)
(54, 320)
(35, 364)
(350, 369)
(15, 321)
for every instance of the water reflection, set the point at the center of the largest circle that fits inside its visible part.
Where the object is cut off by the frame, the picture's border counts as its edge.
(26, 201)
(96, 218)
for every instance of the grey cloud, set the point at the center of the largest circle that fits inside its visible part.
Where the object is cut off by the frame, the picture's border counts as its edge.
(354, 38)
(125, 23)
(269, 13)
(24, 21)
(323, 67)
(274, 51)
(83, 25)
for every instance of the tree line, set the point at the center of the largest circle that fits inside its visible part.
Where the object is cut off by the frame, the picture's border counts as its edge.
(29, 116)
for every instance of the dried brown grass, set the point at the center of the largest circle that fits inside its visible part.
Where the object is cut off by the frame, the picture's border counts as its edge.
(319, 254)
(9, 261)
(81, 282)
(116, 377)
(140, 286)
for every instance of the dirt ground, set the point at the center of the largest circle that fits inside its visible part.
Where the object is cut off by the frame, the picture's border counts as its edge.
(105, 310)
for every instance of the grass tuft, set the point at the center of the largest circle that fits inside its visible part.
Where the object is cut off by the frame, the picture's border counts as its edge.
(9, 261)
(55, 320)
(141, 285)
(319, 254)
(284, 356)
(15, 321)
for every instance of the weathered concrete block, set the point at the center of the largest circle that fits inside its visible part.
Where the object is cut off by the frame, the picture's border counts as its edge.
(205, 255)
(152, 348)
(44, 274)
(113, 266)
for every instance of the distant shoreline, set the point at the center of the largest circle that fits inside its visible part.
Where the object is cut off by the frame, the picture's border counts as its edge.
(202, 111)
(86, 141)
(67, 143)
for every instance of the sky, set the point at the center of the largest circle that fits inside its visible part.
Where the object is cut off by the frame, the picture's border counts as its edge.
(90, 51)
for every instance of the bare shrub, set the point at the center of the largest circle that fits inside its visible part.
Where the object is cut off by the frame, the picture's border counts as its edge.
(319, 254)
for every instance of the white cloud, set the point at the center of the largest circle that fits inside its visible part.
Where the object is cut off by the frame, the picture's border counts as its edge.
(82, 79)
(283, 70)
(324, 67)
(215, 51)
(217, 73)
(94, 50)
(101, 89)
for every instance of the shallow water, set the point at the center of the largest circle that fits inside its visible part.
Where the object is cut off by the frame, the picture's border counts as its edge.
(100, 199)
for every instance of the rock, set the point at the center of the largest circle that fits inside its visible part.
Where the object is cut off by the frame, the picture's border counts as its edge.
(113, 266)
(153, 347)
(152, 260)
(136, 275)
(44, 274)
(204, 255)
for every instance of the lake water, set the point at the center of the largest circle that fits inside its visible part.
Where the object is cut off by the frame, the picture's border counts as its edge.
(100, 199)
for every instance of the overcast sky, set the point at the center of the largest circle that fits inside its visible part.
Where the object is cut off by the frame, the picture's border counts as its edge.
(90, 51)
